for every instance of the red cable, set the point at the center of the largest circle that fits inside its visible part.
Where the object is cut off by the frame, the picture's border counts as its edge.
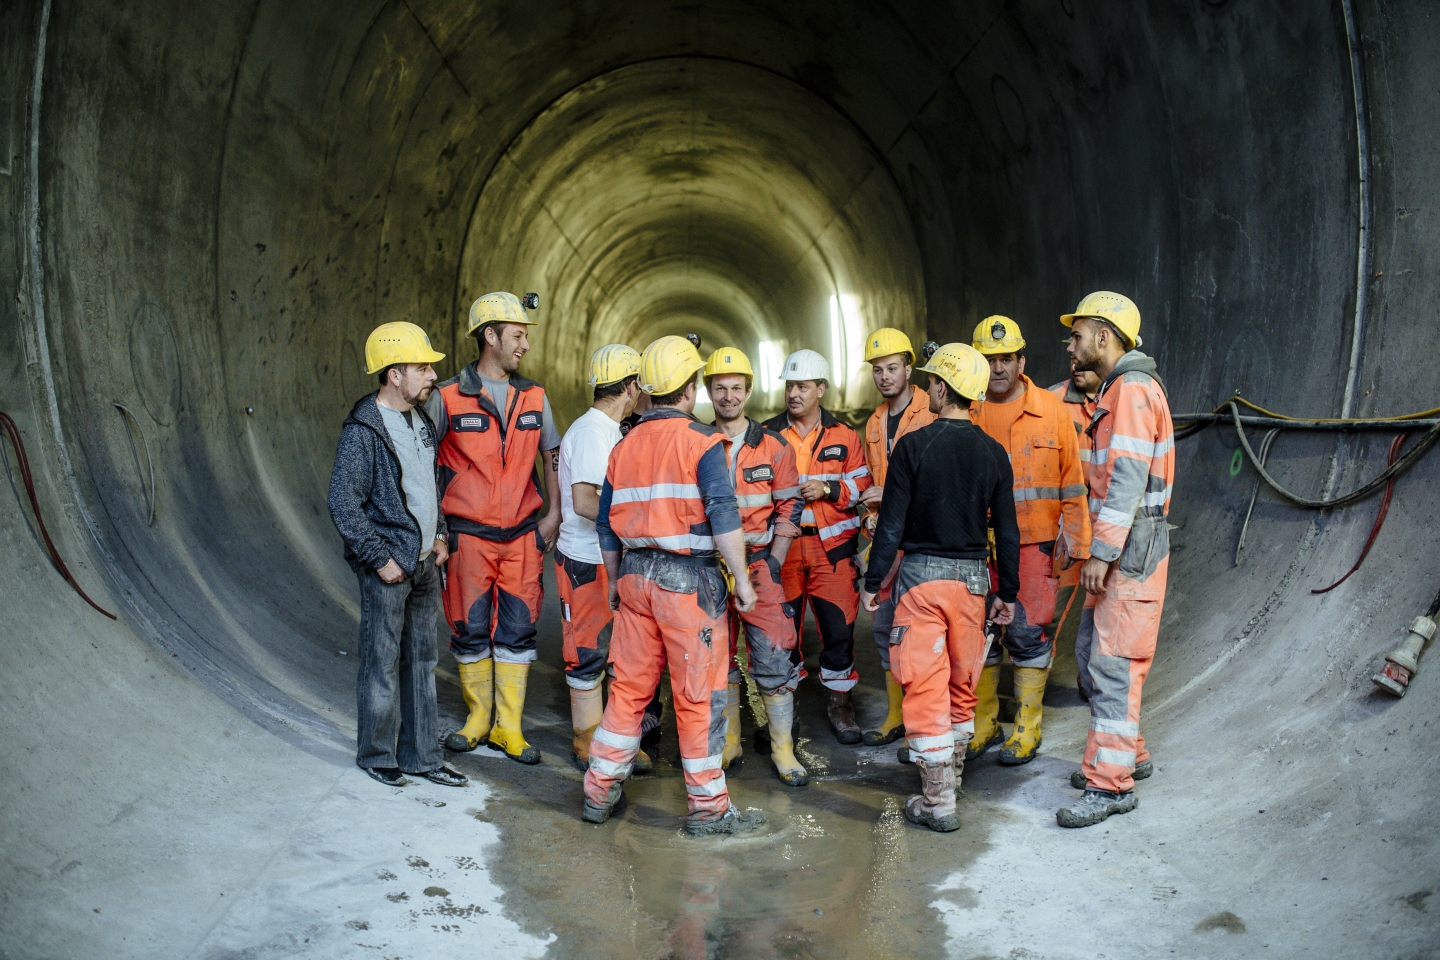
(13, 432)
(1379, 517)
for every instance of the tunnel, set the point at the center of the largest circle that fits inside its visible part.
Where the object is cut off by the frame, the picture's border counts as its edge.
(209, 207)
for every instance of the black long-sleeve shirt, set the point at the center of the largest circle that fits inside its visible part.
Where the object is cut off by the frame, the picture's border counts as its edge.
(948, 482)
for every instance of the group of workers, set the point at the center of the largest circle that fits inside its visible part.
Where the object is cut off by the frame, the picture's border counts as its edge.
(989, 505)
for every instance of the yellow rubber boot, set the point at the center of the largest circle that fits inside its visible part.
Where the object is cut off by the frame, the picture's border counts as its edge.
(780, 708)
(510, 679)
(892, 728)
(477, 684)
(1024, 742)
(587, 707)
(987, 713)
(733, 750)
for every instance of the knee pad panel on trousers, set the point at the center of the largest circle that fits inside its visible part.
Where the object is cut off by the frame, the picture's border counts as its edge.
(514, 628)
(836, 631)
(1028, 644)
(715, 744)
(471, 636)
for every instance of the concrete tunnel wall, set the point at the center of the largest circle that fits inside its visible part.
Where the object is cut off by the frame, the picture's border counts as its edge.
(209, 206)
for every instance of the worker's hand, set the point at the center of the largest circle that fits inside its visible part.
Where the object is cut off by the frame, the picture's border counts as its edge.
(1001, 612)
(744, 595)
(872, 495)
(391, 572)
(442, 551)
(813, 490)
(1092, 575)
(868, 601)
(869, 524)
(549, 527)
(614, 595)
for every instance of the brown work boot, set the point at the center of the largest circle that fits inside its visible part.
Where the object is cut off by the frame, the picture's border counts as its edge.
(841, 714)
(934, 806)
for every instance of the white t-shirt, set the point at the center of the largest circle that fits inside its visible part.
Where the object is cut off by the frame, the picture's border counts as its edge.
(584, 457)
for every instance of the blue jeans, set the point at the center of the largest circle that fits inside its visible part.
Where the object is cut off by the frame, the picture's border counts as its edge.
(397, 721)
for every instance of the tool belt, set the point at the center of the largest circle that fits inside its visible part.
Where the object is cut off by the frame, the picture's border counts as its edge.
(642, 554)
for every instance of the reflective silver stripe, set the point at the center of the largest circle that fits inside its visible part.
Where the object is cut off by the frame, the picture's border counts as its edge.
(1114, 517)
(1141, 446)
(616, 740)
(822, 477)
(926, 744)
(1158, 498)
(1120, 758)
(1073, 491)
(1096, 503)
(857, 473)
(852, 486)
(609, 767)
(752, 500)
(789, 493)
(967, 727)
(1037, 493)
(836, 529)
(758, 539)
(1122, 728)
(684, 541)
(657, 491)
(1100, 456)
(807, 518)
(702, 763)
(1084, 454)
(710, 788)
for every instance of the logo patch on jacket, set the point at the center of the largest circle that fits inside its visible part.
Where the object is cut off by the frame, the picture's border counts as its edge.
(528, 421)
(836, 452)
(756, 474)
(470, 423)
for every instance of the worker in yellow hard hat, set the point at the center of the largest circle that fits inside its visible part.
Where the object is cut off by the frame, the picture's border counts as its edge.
(949, 486)
(384, 500)
(493, 424)
(905, 408)
(1053, 512)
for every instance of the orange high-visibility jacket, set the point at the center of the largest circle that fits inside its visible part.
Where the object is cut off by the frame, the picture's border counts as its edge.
(1045, 457)
(767, 486)
(1081, 408)
(835, 455)
(878, 445)
(654, 484)
(488, 479)
(1132, 471)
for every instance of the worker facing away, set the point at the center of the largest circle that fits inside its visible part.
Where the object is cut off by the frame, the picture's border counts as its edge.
(761, 465)
(586, 617)
(1077, 393)
(492, 424)
(948, 486)
(906, 408)
(821, 569)
(668, 504)
(384, 500)
(1132, 471)
(1053, 514)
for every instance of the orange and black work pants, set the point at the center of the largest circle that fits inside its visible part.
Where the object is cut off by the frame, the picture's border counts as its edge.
(769, 631)
(672, 614)
(809, 576)
(492, 596)
(586, 620)
(937, 650)
(1115, 649)
(1025, 638)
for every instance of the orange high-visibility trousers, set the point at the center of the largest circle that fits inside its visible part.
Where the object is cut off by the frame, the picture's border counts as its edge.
(586, 620)
(687, 632)
(1118, 636)
(937, 650)
(492, 596)
(768, 630)
(829, 587)
(1025, 638)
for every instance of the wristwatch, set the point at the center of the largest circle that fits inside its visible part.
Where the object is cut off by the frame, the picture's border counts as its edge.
(827, 489)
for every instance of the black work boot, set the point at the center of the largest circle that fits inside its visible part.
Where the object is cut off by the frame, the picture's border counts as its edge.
(1142, 771)
(390, 776)
(599, 813)
(1096, 806)
(841, 714)
(732, 821)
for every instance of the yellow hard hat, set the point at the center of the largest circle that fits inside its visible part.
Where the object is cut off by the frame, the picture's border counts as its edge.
(398, 342)
(887, 341)
(727, 360)
(613, 363)
(961, 366)
(997, 334)
(1114, 307)
(667, 364)
(497, 308)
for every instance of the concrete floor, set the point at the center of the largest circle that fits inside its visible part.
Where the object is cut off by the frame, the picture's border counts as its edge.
(206, 208)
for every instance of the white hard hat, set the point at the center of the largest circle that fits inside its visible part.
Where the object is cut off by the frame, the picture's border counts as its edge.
(805, 365)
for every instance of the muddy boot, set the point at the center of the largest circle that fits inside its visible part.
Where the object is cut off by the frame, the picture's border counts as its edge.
(892, 728)
(642, 763)
(961, 742)
(477, 684)
(586, 709)
(599, 813)
(510, 680)
(1024, 742)
(841, 714)
(1096, 806)
(781, 709)
(732, 821)
(987, 713)
(733, 750)
(934, 806)
(1141, 772)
